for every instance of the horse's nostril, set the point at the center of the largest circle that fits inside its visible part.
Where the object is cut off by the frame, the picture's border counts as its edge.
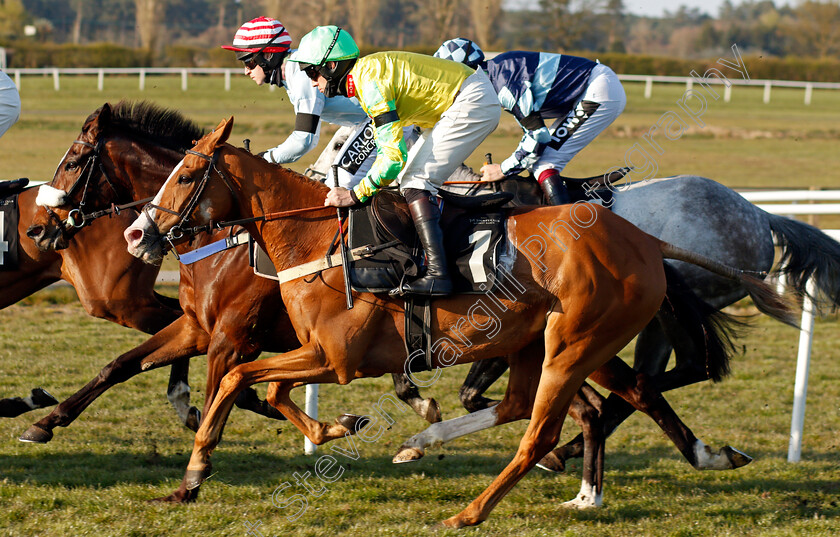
(133, 236)
(34, 232)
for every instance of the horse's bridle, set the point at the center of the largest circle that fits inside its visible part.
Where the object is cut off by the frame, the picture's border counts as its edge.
(76, 218)
(180, 230)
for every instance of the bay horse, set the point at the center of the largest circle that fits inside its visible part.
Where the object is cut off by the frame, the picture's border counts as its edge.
(109, 283)
(127, 138)
(579, 306)
(222, 292)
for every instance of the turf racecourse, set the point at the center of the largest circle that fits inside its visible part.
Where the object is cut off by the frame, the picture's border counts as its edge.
(94, 478)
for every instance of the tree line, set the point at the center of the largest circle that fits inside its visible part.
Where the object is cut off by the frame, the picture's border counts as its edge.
(759, 27)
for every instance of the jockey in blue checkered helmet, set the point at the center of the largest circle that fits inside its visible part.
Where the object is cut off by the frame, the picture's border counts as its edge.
(462, 51)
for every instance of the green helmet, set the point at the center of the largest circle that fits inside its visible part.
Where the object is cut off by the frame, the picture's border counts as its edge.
(327, 44)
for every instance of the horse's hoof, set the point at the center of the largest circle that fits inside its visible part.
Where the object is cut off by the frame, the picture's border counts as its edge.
(408, 454)
(193, 419)
(456, 522)
(194, 478)
(579, 504)
(552, 463)
(432, 414)
(737, 458)
(36, 435)
(179, 496)
(352, 422)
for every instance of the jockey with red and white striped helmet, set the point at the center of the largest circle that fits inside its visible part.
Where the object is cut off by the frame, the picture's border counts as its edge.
(263, 44)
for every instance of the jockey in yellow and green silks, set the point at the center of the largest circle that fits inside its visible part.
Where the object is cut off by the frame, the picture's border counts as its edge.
(397, 89)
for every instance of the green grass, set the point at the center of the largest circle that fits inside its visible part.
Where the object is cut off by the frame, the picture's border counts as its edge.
(96, 476)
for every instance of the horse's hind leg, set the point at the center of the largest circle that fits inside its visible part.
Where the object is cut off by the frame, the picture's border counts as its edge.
(636, 389)
(428, 409)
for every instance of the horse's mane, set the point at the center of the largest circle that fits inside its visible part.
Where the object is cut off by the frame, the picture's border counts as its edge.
(166, 128)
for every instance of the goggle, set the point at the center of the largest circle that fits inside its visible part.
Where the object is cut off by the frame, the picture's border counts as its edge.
(312, 72)
(251, 62)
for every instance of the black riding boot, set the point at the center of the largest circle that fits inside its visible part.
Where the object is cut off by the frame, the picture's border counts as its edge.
(426, 216)
(554, 188)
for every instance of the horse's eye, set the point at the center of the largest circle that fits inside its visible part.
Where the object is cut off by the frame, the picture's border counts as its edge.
(71, 165)
(338, 145)
(184, 179)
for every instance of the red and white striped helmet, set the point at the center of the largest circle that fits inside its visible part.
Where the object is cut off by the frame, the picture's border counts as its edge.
(260, 35)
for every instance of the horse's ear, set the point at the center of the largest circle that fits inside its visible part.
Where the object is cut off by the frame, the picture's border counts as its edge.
(98, 120)
(222, 132)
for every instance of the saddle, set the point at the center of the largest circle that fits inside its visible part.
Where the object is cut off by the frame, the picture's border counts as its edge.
(596, 182)
(474, 228)
(10, 188)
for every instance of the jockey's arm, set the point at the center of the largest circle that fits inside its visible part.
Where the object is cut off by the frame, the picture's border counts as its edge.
(391, 151)
(303, 139)
(530, 148)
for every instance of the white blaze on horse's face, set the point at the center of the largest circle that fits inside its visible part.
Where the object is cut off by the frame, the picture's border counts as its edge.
(50, 197)
(144, 224)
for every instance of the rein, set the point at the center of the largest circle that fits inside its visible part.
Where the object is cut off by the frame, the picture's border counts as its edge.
(180, 230)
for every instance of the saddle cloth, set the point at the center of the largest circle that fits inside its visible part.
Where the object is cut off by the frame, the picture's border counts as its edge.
(474, 229)
(9, 233)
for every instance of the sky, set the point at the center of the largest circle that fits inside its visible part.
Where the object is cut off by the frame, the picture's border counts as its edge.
(656, 8)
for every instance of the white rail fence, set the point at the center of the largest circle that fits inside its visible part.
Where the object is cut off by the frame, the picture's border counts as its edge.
(226, 72)
(793, 205)
(806, 336)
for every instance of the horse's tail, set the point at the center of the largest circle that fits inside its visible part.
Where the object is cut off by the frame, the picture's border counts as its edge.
(766, 299)
(700, 334)
(808, 253)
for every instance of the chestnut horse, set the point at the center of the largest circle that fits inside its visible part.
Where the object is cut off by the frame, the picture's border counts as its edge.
(209, 306)
(579, 305)
(109, 282)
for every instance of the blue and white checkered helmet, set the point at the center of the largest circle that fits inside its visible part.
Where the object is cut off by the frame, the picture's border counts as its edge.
(461, 50)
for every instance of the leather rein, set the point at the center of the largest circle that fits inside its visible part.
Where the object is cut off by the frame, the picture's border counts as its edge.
(182, 229)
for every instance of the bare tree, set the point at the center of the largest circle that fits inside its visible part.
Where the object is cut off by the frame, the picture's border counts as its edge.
(78, 5)
(361, 14)
(485, 15)
(149, 15)
(437, 19)
(816, 28)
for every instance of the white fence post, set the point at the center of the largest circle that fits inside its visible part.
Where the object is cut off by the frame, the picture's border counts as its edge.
(800, 385)
(142, 79)
(56, 84)
(767, 92)
(183, 80)
(311, 411)
(648, 87)
(100, 79)
(17, 78)
(227, 79)
(727, 94)
(809, 89)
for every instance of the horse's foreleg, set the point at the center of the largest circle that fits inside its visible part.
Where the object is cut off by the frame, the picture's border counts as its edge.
(586, 410)
(317, 432)
(304, 365)
(482, 375)
(179, 340)
(516, 405)
(178, 393)
(428, 409)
